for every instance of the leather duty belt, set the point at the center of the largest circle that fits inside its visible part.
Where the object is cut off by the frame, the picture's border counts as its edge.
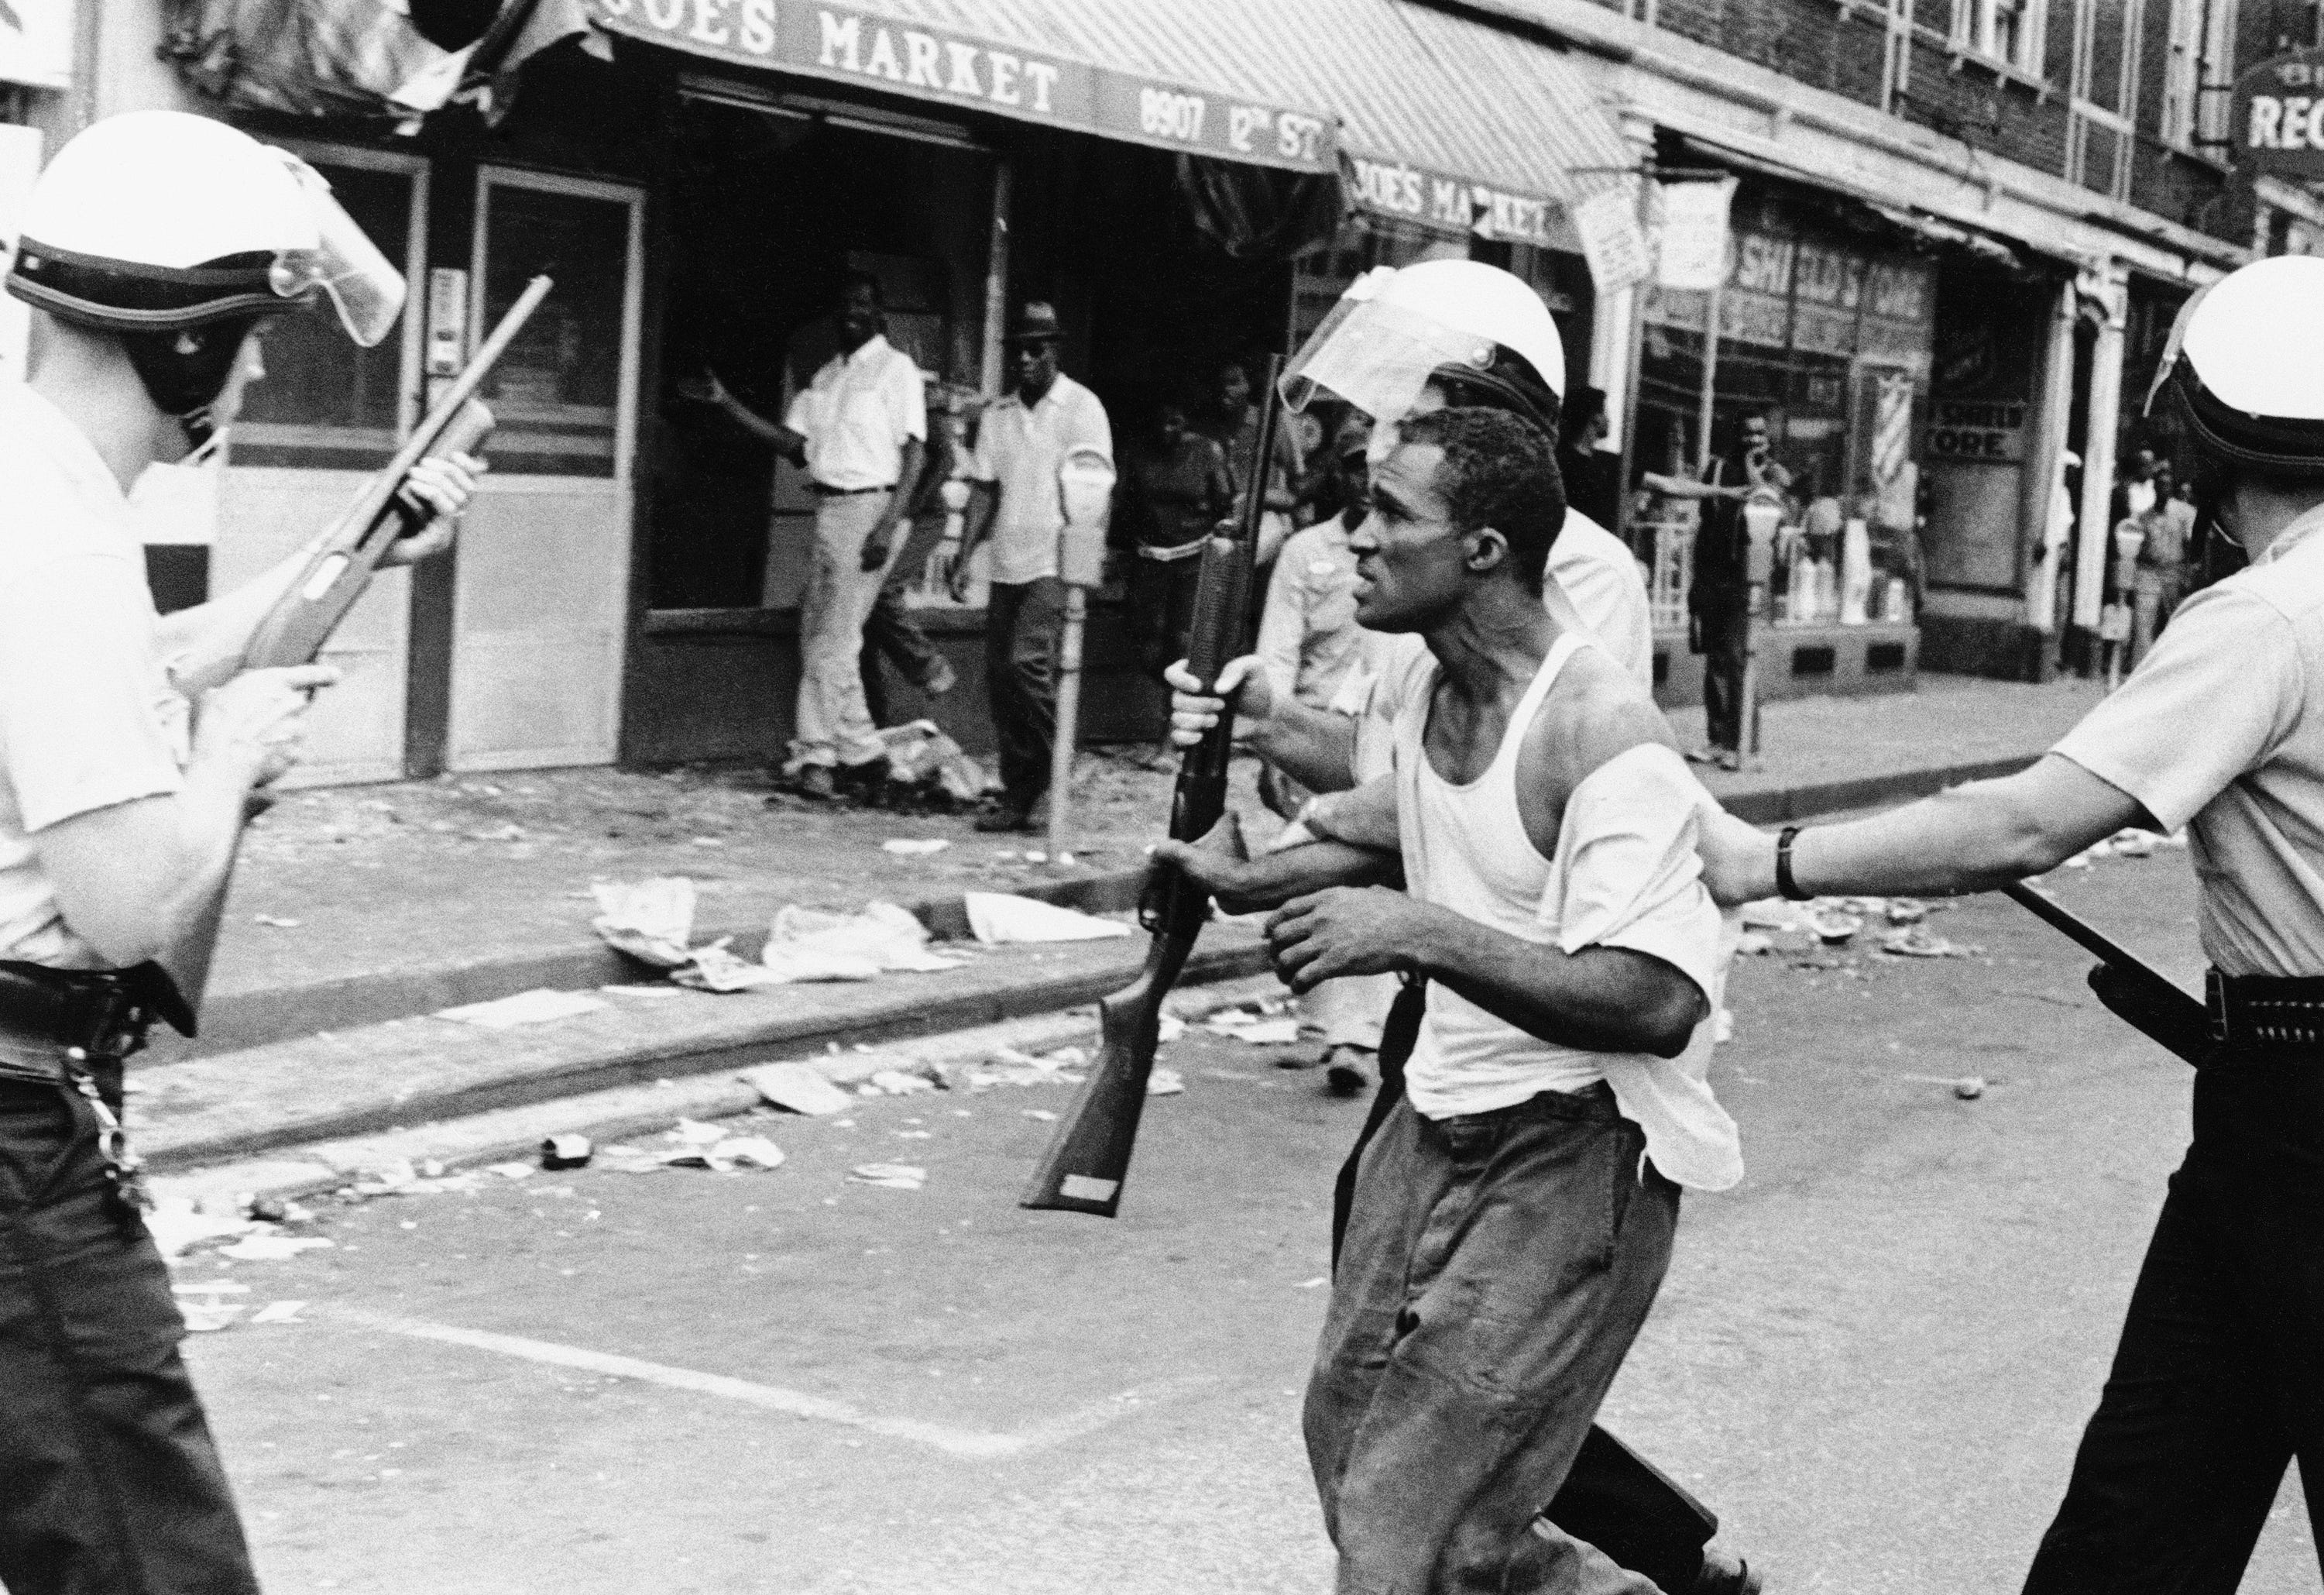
(2266, 1014)
(52, 1013)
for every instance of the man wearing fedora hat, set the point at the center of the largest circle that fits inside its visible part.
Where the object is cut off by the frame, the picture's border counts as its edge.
(1021, 444)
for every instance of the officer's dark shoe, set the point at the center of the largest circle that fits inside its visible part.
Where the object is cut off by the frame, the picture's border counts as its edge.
(816, 782)
(1725, 1574)
(1007, 817)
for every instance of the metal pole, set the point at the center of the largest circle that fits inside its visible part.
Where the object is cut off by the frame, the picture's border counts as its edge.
(991, 377)
(1069, 710)
(1709, 377)
(2098, 458)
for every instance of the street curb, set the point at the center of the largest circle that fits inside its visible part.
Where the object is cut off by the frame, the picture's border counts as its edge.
(318, 1168)
(231, 1023)
(259, 1019)
(901, 1017)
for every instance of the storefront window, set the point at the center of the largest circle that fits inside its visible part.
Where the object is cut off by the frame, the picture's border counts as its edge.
(1827, 334)
(771, 208)
(557, 390)
(325, 403)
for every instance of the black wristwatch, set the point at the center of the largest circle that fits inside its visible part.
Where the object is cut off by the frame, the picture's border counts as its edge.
(1788, 885)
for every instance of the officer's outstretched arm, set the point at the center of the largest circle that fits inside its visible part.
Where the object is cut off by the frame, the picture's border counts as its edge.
(1971, 838)
(131, 877)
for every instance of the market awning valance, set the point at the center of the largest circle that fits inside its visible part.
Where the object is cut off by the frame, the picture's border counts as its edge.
(1026, 60)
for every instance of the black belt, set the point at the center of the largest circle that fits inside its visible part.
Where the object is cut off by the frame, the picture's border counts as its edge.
(2276, 1015)
(828, 492)
(72, 1028)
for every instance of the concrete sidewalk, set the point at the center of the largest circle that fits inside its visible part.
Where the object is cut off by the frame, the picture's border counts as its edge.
(404, 898)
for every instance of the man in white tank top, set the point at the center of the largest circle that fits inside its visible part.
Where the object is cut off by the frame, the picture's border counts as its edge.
(1513, 1218)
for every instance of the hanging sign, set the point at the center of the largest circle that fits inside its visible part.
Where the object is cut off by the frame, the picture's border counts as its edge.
(871, 50)
(36, 42)
(1612, 242)
(1694, 234)
(2277, 124)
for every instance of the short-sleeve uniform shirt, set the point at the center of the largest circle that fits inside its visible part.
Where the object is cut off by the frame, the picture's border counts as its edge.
(2221, 729)
(87, 716)
(858, 414)
(1020, 450)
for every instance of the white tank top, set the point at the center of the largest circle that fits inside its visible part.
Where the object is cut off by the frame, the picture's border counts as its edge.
(1465, 849)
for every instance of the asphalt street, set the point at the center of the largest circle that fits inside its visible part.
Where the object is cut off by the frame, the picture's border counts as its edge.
(1874, 1358)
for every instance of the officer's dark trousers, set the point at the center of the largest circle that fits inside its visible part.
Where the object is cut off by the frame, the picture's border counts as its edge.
(1020, 645)
(2219, 1381)
(108, 1482)
(1721, 629)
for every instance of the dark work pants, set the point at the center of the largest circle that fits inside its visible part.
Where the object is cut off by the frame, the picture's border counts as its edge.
(893, 631)
(1021, 648)
(109, 1484)
(1498, 1267)
(1613, 1498)
(1162, 610)
(1721, 629)
(2218, 1381)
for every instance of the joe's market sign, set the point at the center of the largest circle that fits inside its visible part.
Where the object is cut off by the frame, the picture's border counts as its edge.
(1986, 430)
(1410, 193)
(848, 46)
(2278, 117)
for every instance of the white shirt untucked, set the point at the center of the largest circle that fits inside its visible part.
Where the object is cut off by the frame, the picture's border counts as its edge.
(857, 416)
(1021, 451)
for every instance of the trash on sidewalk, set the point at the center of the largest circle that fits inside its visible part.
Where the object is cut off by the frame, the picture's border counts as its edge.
(896, 1082)
(998, 917)
(798, 1087)
(1968, 1088)
(1259, 1032)
(890, 937)
(567, 1151)
(1009, 1067)
(541, 1005)
(276, 921)
(1920, 941)
(1722, 1027)
(202, 1306)
(909, 847)
(280, 1313)
(651, 920)
(893, 1177)
(1753, 944)
(921, 757)
(1043, 1113)
(691, 1144)
(272, 1248)
(1165, 1082)
(176, 1223)
(1833, 929)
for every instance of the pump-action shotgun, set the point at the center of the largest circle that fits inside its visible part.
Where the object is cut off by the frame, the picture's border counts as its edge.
(2130, 988)
(302, 621)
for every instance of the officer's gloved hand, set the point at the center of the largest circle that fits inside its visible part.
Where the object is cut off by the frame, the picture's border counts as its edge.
(255, 724)
(435, 492)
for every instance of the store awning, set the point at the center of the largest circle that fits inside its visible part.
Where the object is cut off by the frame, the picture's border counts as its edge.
(1083, 66)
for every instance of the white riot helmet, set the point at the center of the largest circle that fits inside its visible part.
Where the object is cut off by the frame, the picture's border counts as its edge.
(2240, 374)
(1460, 323)
(177, 231)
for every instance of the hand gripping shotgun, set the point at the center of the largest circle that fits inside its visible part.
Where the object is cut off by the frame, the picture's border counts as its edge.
(1089, 1157)
(2133, 991)
(302, 621)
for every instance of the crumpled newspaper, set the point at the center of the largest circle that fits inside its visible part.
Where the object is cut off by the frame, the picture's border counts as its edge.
(810, 944)
(1001, 917)
(651, 920)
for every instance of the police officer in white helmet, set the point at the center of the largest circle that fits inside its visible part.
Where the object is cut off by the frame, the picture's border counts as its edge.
(2219, 1381)
(1402, 344)
(152, 248)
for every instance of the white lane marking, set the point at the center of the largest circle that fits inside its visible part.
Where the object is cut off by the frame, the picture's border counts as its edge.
(973, 1444)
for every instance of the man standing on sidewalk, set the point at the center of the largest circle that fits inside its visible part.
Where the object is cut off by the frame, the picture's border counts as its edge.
(1513, 1218)
(1022, 444)
(1234, 424)
(860, 432)
(151, 249)
(2218, 1383)
(1718, 597)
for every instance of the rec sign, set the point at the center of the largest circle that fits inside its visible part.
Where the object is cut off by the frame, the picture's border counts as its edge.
(2278, 117)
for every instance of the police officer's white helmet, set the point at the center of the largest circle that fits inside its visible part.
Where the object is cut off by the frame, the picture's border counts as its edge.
(1455, 322)
(2241, 374)
(176, 232)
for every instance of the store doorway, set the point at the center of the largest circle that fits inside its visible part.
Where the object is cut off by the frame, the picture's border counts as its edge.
(541, 596)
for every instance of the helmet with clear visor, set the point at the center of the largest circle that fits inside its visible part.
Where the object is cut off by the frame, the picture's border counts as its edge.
(160, 221)
(2239, 374)
(1457, 323)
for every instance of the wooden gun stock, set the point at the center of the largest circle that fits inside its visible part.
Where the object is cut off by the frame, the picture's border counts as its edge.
(302, 621)
(2131, 988)
(1089, 1157)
